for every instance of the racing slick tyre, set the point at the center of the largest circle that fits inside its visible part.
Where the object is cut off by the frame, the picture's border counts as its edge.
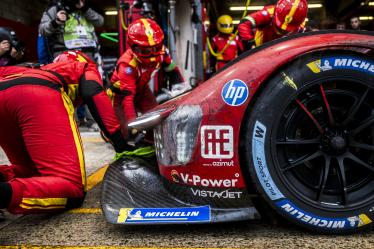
(309, 146)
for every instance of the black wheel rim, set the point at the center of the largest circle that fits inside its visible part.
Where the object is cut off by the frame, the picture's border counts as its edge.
(324, 144)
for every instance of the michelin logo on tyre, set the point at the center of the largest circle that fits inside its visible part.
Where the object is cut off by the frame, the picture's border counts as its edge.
(344, 62)
(322, 222)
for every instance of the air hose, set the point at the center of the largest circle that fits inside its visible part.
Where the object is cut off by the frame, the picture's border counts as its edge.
(148, 151)
(123, 24)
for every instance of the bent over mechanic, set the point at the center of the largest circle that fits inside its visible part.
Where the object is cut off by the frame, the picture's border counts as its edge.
(39, 133)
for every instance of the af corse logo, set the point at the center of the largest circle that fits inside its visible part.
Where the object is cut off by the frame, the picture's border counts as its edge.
(235, 92)
(217, 141)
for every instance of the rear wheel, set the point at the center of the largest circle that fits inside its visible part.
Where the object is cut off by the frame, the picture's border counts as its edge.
(309, 143)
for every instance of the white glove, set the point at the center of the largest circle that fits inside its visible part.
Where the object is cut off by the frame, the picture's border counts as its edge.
(178, 89)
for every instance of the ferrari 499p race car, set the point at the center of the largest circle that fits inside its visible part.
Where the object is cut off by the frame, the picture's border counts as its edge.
(285, 129)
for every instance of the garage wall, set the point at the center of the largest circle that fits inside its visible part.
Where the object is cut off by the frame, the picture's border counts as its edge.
(23, 11)
(184, 33)
(187, 31)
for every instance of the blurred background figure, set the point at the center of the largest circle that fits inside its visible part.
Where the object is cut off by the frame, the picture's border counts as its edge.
(340, 26)
(4, 44)
(11, 48)
(355, 23)
(312, 25)
(225, 44)
(70, 25)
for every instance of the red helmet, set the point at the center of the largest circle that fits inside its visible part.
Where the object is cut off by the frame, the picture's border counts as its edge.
(145, 37)
(289, 15)
(75, 55)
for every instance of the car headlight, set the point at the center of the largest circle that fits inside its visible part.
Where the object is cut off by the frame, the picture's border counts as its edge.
(175, 137)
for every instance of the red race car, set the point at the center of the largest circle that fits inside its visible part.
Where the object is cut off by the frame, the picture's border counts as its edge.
(286, 130)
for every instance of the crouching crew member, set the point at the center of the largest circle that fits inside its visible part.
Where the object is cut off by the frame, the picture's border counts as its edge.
(39, 134)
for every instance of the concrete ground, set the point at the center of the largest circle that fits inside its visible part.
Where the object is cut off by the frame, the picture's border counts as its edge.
(86, 227)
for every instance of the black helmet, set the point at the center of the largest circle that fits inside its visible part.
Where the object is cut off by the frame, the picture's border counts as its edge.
(67, 5)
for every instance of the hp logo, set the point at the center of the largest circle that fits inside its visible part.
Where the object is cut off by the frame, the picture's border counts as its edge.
(235, 92)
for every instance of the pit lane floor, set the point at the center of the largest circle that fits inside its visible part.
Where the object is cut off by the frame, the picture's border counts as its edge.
(86, 227)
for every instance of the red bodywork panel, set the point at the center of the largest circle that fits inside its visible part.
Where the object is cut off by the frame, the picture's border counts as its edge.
(254, 70)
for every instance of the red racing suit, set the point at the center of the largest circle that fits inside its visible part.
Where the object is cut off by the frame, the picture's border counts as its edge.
(40, 135)
(258, 27)
(130, 85)
(231, 51)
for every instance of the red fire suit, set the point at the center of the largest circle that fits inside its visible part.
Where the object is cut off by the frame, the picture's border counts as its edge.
(40, 137)
(219, 43)
(258, 27)
(130, 85)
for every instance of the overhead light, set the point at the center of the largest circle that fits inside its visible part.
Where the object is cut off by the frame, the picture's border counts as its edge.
(365, 18)
(235, 22)
(370, 3)
(238, 8)
(241, 8)
(314, 5)
(111, 12)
